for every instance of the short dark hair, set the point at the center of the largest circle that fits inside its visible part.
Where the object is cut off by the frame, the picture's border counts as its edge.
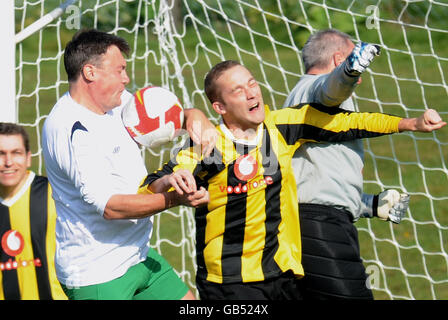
(214, 73)
(87, 46)
(12, 129)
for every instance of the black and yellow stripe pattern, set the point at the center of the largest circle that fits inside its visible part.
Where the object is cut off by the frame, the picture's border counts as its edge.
(30, 275)
(250, 229)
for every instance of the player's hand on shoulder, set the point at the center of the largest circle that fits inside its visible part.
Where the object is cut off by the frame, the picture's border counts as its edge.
(202, 131)
(360, 58)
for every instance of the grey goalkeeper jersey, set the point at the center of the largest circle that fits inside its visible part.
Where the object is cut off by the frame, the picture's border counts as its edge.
(329, 173)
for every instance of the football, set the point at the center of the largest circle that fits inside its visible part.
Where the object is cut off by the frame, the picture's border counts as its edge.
(153, 116)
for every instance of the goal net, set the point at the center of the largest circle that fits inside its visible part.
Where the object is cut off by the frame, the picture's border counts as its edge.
(174, 43)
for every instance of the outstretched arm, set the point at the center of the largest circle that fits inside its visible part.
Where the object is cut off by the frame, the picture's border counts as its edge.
(337, 86)
(429, 121)
(319, 123)
(334, 88)
(182, 181)
(135, 206)
(155, 193)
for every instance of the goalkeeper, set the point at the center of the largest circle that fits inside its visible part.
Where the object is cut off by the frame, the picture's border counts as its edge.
(330, 195)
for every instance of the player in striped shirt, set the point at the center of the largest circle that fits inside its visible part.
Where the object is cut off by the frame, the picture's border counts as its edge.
(248, 236)
(27, 223)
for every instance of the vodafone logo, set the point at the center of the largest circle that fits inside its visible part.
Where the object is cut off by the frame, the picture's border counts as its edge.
(12, 243)
(246, 167)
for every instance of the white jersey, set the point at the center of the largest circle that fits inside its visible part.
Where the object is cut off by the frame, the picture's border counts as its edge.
(90, 157)
(329, 173)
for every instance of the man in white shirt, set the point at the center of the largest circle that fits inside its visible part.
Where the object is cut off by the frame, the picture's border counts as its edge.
(95, 168)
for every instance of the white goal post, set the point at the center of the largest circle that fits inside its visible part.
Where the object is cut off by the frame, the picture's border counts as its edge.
(175, 42)
(7, 55)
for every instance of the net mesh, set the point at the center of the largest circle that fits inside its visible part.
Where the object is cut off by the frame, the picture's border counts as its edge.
(174, 43)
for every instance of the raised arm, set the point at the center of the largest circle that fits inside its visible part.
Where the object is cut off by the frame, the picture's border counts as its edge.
(335, 87)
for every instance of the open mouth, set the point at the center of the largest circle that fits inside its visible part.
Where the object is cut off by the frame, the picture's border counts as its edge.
(254, 107)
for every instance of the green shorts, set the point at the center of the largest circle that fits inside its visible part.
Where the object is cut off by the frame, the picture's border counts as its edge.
(152, 279)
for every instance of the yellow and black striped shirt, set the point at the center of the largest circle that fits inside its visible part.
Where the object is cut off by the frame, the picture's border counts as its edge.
(28, 244)
(249, 231)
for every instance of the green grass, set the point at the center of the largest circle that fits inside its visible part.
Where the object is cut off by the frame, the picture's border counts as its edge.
(411, 161)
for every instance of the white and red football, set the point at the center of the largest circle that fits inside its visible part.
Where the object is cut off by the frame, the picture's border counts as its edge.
(153, 116)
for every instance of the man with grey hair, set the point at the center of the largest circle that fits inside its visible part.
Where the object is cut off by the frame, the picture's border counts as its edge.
(329, 176)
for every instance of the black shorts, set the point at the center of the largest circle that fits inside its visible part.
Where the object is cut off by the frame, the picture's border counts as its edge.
(330, 255)
(284, 287)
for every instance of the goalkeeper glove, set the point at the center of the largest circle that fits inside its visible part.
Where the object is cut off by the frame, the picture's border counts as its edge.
(389, 205)
(360, 58)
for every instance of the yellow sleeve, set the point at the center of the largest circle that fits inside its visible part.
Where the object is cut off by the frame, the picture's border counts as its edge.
(319, 123)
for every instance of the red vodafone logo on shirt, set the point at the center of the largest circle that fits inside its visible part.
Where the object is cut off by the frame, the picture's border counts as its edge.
(245, 168)
(12, 243)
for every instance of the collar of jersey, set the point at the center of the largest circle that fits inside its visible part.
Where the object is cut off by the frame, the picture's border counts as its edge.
(252, 142)
(22, 190)
(86, 110)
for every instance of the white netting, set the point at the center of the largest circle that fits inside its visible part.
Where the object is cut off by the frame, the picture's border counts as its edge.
(174, 43)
